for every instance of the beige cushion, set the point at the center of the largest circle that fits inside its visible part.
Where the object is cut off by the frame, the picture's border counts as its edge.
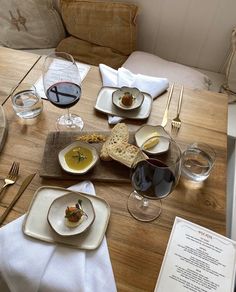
(230, 84)
(100, 31)
(217, 79)
(149, 64)
(30, 24)
(89, 53)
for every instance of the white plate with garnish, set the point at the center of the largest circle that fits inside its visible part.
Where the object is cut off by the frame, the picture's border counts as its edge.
(127, 98)
(36, 224)
(105, 105)
(78, 157)
(71, 214)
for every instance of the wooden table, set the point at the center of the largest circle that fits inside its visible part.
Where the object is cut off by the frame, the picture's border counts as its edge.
(14, 65)
(136, 248)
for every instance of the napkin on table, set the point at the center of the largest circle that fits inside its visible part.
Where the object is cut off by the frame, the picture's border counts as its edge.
(123, 77)
(31, 265)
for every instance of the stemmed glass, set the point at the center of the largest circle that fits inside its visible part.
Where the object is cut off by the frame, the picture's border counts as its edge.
(155, 173)
(62, 86)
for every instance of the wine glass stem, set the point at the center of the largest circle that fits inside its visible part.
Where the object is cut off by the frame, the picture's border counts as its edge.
(69, 119)
(145, 202)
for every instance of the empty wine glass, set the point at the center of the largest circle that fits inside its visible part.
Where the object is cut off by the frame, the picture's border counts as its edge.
(62, 86)
(154, 175)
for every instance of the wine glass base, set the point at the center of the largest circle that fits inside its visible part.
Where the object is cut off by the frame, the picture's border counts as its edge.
(65, 123)
(143, 209)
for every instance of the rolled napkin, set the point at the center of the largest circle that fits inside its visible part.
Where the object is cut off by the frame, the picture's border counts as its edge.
(27, 264)
(123, 77)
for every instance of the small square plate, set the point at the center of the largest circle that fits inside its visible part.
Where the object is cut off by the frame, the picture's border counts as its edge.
(37, 226)
(104, 104)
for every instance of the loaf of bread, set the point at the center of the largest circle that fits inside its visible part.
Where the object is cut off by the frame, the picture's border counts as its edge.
(125, 153)
(119, 135)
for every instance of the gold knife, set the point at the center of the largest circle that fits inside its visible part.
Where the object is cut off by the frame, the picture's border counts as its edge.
(24, 185)
(165, 117)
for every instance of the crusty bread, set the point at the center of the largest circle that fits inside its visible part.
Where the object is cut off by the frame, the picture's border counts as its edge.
(119, 134)
(125, 153)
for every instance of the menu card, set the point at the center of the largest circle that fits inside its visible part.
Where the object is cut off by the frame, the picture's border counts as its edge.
(197, 260)
(83, 70)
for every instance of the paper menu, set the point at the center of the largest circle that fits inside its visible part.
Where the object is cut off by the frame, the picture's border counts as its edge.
(197, 260)
(83, 70)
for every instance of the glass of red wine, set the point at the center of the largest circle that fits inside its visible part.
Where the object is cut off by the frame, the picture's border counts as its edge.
(62, 86)
(155, 173)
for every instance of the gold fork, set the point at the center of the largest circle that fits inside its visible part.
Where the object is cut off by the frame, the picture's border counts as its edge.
(176, 122)
(11, 177)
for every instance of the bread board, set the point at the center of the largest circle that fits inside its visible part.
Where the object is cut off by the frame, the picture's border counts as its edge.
(3, 128)
(106, 171)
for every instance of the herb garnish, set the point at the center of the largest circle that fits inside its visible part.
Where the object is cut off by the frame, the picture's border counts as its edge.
(76, 211)
(79, 156)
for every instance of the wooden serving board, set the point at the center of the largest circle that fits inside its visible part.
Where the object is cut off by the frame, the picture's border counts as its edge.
(3, 128)
(107, 171)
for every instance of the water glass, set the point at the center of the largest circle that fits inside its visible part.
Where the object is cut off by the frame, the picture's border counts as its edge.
(197, 161)
(27, 104)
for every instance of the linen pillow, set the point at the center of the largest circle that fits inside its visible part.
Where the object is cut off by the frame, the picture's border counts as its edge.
(29, 24)
(100, 31)
(231, 67)
(148, 64)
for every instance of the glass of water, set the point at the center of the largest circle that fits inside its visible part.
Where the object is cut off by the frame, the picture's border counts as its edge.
(197, 161)
(27, 104)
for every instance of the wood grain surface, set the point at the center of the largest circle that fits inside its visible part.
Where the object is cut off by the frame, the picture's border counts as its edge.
(136, 249)
(3, 127)
(14, 65)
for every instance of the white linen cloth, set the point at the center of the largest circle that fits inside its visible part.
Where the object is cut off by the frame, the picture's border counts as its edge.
(123, 77)
(30, 265)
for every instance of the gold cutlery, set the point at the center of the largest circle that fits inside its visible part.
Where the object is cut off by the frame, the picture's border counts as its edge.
(11, 177)
(176, 122)
(24, 185)
(165, 117)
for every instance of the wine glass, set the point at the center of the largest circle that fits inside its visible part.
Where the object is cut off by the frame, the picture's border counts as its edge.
(155, 173)
(62, 86)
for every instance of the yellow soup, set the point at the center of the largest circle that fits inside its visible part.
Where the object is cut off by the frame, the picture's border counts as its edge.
(79, 158)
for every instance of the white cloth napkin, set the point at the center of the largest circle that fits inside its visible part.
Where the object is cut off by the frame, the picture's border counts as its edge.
(123, 77)
(27, 264)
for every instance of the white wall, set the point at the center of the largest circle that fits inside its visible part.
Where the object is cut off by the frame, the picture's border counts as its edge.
(191, 32)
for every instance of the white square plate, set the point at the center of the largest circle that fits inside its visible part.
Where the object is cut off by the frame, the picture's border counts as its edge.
(37, 226)
(104, 104)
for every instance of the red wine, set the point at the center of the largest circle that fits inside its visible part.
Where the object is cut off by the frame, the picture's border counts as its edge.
(152, 178)
(64, 94)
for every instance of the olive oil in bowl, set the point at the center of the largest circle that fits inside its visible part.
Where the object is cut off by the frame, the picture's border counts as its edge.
(78, 157)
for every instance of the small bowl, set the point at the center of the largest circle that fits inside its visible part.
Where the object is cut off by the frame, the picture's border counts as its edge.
(146, 132)
(138, 98)
(56, 214)
(64, 164)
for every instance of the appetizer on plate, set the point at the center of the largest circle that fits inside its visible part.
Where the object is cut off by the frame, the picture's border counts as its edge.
(127, 98)
(74, 215)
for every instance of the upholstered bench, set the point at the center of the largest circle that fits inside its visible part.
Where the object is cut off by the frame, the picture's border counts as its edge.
(150, 64)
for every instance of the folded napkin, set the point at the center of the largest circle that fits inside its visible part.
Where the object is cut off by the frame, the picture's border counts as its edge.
(27, 264)
(123, 77)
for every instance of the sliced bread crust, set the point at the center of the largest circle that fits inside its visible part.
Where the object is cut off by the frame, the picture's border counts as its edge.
(119, 134)
(125, 153)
